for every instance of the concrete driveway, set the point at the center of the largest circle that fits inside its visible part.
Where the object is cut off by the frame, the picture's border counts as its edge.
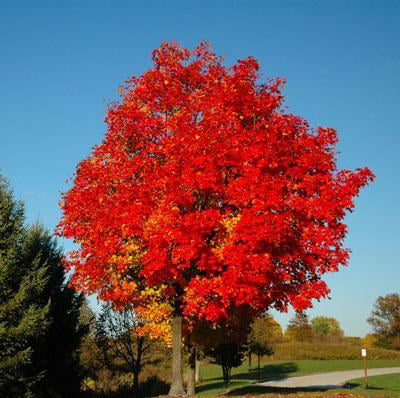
(326, 380)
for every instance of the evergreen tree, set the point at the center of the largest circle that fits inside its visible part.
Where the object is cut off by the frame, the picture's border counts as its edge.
(57, 351)
(23, 321)
(39, 315)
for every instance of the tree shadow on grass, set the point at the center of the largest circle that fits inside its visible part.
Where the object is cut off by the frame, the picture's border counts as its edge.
(268, 372)
(274, 371)
(215, 386)
(351, 386)
(257, 389)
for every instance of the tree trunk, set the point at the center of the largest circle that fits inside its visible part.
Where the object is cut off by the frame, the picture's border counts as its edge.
(249, 360)
(197, 373)
(137, 365)
(177, 379)
(259, 373)
(225, 376)
(191, 370)
(136, 383)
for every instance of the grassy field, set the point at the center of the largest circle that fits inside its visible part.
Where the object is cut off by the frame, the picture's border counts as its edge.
(385, 385)
(242, 378)
(314, 350)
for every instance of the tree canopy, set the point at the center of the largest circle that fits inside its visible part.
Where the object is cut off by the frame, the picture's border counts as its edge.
(299, 328)
(385, 320)
(326, 327)
(265, 333)
(205, 187)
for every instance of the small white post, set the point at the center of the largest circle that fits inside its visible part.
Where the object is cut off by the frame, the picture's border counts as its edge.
(364, 355)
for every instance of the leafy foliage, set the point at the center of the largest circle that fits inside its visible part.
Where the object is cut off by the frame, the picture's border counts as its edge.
(369, 340)
(207, 192)
(205, 188)
(385, 320)
(299, 328)
(154, 315)
(265, 332)
(326, 328)
(225, 343)
(228, 355)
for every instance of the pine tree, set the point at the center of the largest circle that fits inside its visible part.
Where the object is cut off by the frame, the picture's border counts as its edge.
(56, 352)
(39, 314)
(22, 320)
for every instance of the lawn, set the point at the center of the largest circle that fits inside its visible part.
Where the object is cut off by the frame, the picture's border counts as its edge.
(385, 385)
(242, 378)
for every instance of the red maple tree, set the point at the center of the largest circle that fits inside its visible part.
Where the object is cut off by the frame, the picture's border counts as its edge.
(205, 189)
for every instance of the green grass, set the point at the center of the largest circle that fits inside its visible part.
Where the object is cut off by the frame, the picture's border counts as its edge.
(243, 379)
(384, 385)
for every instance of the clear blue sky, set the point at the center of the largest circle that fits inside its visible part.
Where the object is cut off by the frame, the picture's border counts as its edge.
(62, 61)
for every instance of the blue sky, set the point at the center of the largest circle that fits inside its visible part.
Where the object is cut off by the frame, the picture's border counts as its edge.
(62, 61)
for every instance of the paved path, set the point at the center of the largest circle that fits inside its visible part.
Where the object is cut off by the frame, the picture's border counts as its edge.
(327, 380)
